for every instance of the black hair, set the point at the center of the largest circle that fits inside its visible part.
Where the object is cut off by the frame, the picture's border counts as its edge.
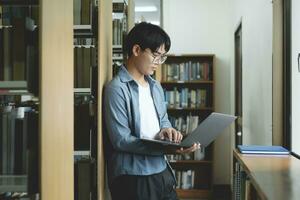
(146, 35)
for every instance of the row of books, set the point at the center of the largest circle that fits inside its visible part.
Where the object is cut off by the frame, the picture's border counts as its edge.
(185, 179)
(82, 12)
(8, 14)
(184, 124)
(18, 140)
(187, 71)
(85, 179)
(15, 195)
(186, 98)
(84, 42)
(197, 155)
(83, 123)
(18, 50)
(84, 60)
(119, 27)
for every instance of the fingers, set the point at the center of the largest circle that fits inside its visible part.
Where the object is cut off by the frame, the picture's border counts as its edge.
(175, 136)
(171, 134)
(191, 149)
(178, 137)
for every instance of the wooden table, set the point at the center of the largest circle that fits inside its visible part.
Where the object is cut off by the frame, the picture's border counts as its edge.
(273, 176)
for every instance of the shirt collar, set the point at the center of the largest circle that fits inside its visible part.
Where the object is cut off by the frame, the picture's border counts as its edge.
(126, 77)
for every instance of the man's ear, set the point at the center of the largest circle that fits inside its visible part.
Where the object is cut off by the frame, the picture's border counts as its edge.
(136, 49)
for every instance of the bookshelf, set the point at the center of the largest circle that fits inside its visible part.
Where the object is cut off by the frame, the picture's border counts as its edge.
(54, 77)
(86, 48)
(119, 31)
(19, 98)
(188, 83)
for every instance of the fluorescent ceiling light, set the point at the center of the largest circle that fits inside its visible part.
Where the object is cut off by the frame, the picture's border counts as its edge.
(145, 9)
(155, 22)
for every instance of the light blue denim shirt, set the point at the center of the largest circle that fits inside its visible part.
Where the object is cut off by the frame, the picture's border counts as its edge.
(125, 152)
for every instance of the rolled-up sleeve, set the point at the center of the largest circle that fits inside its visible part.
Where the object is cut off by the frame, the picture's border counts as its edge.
(118, 127)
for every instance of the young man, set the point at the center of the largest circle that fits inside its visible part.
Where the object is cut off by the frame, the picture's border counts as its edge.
(134, 107)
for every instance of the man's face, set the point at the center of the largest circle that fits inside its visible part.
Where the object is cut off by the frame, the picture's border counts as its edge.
(147, 61)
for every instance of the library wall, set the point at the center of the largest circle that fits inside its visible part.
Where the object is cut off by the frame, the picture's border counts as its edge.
(257, 69)
(205, 28)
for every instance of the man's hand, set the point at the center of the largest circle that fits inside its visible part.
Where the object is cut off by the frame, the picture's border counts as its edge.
(176, 150)
(188, 150)
(170, 134)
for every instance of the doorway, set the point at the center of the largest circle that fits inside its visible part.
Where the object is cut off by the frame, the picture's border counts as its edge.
(238, 85)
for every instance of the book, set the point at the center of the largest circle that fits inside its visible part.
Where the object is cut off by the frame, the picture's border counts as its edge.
(85, 12)
(1, 53)
(82, 127)
(77, 14)
(259, 149)
(83, 179)
(18, 48)
(86, 68)
(7, 55)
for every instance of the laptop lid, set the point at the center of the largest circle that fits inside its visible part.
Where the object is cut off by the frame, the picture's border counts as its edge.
(206, 132)
(209, 129)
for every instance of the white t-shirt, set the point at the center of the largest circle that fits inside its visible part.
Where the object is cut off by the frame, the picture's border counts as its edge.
(149, 120)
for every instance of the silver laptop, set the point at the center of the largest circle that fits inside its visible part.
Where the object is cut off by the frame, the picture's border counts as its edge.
(206, 132)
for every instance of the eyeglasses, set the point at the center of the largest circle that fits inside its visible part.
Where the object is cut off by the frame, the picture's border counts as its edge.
(159, 59)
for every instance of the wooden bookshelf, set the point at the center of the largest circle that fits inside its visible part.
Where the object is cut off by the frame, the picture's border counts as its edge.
(56, 94)
(194, 193)
(180, 76)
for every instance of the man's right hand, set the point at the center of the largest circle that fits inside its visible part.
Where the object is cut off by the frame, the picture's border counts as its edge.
(170, 134)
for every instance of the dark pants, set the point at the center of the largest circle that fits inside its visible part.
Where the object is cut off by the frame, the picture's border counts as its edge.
(159, 186)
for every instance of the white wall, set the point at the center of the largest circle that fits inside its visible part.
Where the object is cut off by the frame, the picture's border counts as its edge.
(207, 26)
(295, 77)
(201, 27)
(256, 18)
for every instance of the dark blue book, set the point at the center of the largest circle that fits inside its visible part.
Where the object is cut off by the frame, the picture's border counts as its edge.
(257, 149)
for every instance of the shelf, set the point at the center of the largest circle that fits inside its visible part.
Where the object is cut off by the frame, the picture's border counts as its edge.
(82, 90)
(84, 46)
(83, 31)
(191, 109)
(193, 193)
(82, 27)
(117, 46)
(7, 26)
(79, 155)
(191, 162)
(117, 58)
(13, 84)
(13, 183)
(13, 88)
(14, 92)
(187, 82)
